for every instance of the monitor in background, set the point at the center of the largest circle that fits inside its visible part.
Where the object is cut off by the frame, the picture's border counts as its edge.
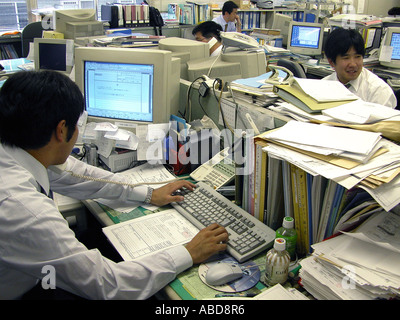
(75, 23)
(186, 50)
(389, 53)
(231, 65)
(305, 38)
(124, 86)
(53, 54)
(282, 22)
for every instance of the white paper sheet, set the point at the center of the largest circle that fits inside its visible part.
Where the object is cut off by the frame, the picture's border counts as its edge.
(149, 234)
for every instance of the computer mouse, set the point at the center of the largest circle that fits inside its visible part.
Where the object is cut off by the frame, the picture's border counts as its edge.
(223, 272)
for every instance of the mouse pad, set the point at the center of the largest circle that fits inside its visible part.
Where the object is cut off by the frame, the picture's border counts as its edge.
(251, 275)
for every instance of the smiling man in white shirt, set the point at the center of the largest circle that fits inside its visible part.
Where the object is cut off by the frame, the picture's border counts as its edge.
(345, 52)
(38, 128)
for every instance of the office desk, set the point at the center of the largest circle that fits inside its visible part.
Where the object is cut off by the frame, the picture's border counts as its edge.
(187, 285)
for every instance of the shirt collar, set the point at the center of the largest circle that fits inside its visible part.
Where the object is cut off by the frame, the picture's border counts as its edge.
(27, 161)
(354, 83)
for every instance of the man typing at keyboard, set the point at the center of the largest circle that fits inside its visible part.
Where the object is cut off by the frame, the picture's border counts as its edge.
(39, 112)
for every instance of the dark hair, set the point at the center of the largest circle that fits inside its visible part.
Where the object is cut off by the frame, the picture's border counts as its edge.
(208, 29)
(228, 7)
(32, 103)
(340, 41)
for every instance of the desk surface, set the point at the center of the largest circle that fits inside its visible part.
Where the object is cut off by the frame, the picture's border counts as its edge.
(11, 65)
(187, 285)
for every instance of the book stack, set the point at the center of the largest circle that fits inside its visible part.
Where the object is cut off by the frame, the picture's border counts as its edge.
(190, 12)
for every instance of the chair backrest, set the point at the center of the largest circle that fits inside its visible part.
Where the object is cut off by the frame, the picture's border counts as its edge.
(293, 66)
(31, 31)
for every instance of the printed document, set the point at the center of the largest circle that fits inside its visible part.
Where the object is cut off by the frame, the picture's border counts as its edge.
(149, 234)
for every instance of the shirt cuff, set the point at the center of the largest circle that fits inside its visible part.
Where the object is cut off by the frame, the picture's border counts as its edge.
(181, 257)
(138, 193)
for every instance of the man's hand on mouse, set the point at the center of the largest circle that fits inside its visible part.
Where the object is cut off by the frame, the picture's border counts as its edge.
(207, 242)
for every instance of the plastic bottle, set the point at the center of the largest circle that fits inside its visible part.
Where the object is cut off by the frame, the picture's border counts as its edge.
(277, 264)
(288, 232)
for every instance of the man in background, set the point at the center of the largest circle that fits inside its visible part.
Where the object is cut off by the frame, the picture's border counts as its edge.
(209, 32)
(345, 52)
(229, 19)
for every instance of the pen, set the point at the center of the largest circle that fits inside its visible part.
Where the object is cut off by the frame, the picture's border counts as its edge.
(220, 295)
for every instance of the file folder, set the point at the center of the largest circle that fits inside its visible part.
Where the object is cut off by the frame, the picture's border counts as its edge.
(297, 97)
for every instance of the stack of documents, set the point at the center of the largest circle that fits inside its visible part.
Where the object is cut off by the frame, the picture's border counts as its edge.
(313, 95)
(325, 140)
(344, 268)
(379, 176)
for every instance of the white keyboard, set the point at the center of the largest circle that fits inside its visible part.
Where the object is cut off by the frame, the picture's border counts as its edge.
(247, 235)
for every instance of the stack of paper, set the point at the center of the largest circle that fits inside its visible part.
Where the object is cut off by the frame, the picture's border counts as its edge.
(379, 176)
(343, 267)
(325, 140)
(313, 95)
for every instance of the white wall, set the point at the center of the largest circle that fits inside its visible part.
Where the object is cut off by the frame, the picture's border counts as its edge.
(377, 8)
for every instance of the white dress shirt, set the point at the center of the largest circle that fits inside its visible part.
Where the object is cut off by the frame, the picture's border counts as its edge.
(231, 26)
(370, 88)
(33, 234)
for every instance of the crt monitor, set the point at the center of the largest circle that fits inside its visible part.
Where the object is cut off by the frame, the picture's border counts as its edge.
(77, 23)
(186, 50)
(53, 54)
(124, 86)
(305, 38)
(231, 65)
(281, 22)
(389, 54)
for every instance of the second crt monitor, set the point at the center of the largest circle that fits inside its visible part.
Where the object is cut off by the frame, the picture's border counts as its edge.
(305, 38)
(54, 54)
(389, 54)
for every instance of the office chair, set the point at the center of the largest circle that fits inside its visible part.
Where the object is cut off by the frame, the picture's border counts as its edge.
(31, 31)
(293, 66)
(397, 94)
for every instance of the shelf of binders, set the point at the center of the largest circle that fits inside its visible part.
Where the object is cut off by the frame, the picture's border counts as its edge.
(10, 46)
(261, 18)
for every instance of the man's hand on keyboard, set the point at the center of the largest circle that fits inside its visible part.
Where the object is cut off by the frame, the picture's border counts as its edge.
(207, 242)
(165, 194)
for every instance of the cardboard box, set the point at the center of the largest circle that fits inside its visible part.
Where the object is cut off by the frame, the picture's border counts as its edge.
(242, 4)
(52, 35)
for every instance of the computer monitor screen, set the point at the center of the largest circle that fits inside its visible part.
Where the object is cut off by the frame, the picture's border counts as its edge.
(305, 38)
(124, 86)
(389, 55)
(119, 90)
(53, 54)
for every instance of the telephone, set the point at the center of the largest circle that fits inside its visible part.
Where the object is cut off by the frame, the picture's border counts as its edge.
(219, 170)
(212, 42)
(240, 40)
(274, 77)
